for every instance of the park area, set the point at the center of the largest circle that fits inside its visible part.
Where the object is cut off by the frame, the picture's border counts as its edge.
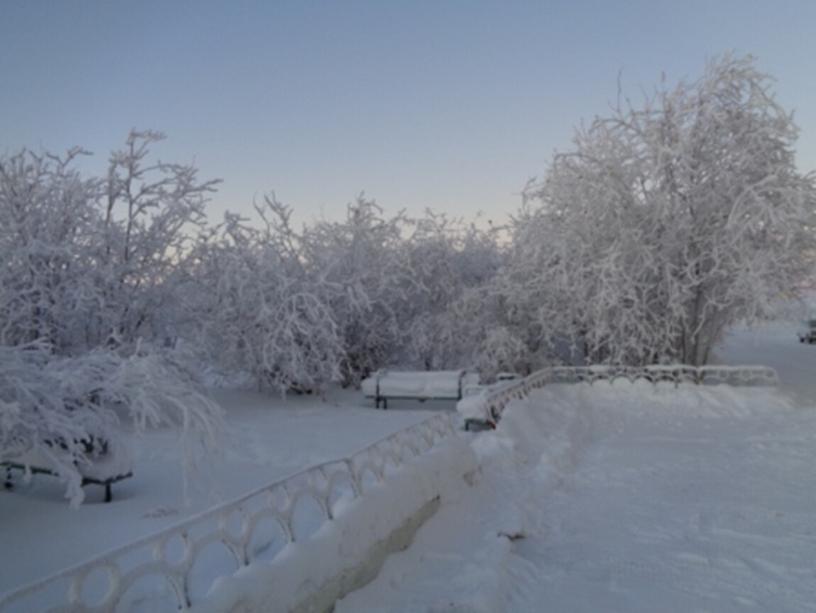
(630, 496)
(409, 307)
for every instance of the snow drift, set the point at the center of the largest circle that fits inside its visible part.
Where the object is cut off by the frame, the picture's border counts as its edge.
(646, 463)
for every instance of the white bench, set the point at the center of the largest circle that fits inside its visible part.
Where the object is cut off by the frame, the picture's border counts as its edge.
(417, 385)
(110, 461)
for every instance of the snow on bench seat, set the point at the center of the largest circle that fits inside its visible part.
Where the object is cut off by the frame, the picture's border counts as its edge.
(419, 385)
(109, 461)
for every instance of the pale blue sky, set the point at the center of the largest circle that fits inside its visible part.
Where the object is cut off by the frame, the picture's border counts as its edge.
(452, 105)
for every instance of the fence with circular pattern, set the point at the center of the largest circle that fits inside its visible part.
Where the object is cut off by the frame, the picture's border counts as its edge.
(176, 567)
(490, 404)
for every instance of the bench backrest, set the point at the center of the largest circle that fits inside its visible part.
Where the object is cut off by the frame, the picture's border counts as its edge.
(418, 384)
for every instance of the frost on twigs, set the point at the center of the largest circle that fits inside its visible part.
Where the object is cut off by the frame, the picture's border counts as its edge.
(260, 309)
(336, 300)
(90, 267)
(665, 223)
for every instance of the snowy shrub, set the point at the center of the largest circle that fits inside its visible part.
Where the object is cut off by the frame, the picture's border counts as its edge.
(370, 285)
(448, 259)
(337, 300)
(502, 351)
(259, 308)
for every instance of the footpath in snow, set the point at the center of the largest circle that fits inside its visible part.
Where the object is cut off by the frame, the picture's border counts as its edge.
(624, 497)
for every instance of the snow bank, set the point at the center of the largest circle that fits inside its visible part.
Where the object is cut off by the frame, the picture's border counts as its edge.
(641, 399)
(462, 554)
(347, 552)
(621, 497)
(304, 540)
(488, 404)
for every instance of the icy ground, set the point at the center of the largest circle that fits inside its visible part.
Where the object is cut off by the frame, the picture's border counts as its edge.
(631, 498)
(268, 438)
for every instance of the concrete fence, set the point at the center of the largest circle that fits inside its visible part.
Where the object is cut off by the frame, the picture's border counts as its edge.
(330, 525)
(488, 405)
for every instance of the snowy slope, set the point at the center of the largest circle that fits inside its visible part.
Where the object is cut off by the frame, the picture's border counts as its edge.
(624, 498)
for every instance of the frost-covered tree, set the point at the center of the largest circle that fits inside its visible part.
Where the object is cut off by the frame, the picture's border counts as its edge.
(448, 260)
(81, 290)
(91, 262)
(48, 225)
(399, 279)
(260, 308)
(152, 213)
(360, 260)
(336, 300)
(667, 222)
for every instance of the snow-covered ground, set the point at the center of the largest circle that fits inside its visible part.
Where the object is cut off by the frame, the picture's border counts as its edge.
(631, 498)
(611, 497)
(775, 344)
(268, 438)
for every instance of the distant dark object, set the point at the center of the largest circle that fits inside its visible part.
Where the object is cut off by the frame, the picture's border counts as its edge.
(807, 333)
(479, 425)
(508, 376)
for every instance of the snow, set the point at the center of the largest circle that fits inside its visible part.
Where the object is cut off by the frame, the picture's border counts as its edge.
(775, 344)
(614, 497)
(630, 497)
(118, 296)
(474, 405)
(419, 384)
(343, 551)
(115, 463)
(267, 438)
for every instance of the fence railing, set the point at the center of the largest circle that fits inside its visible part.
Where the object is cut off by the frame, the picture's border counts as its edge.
(490, 404)
(177, 562)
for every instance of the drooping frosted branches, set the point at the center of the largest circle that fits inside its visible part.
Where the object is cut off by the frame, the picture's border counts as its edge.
(337, 299)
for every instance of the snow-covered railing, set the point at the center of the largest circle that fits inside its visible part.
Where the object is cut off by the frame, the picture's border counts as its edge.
(488, 405)
(177, 563)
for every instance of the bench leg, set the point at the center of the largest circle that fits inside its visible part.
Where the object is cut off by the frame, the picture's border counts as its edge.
(108, 493)
(385, 404)
(8, 483)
